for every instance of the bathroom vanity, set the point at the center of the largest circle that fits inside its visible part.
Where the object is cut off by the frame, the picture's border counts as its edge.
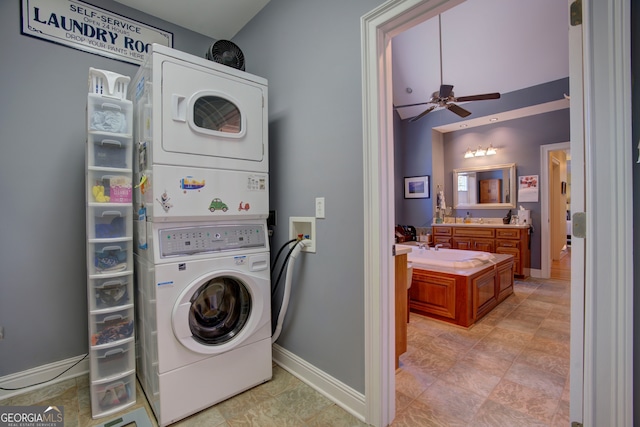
(495, 238)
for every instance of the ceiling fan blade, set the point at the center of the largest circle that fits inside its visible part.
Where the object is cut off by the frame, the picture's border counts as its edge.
(395, 107)
(478, 97)
(458, 110)
(445, 91)
(424, 113)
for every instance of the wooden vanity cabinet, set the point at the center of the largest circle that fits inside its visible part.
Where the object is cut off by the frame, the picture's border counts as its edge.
(474, 239)
(442, 236)
(488, 238)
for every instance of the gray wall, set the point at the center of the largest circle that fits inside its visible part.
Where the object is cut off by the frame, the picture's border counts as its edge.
(527, 134)
(43, 300)
(310, 53)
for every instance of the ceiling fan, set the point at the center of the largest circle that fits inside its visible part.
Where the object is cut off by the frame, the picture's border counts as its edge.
(445, 97)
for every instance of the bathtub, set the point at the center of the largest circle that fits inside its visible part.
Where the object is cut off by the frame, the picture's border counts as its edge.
(452, 258)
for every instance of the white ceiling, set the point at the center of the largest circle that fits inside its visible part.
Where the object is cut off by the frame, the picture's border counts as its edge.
(218, 19)
(487, 45)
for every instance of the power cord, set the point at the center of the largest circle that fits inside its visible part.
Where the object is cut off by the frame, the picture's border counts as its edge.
(49, 380)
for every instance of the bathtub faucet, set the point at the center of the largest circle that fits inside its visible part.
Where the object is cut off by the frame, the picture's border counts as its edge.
(438, 246)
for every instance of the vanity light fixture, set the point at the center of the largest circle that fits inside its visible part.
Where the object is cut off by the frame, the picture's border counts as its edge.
(468, 154)
(491, 150)
(480, 151)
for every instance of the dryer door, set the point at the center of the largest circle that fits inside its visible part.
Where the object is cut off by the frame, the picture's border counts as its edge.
(210, 117)
(218, 312)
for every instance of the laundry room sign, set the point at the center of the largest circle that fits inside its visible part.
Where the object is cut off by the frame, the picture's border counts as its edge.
(82, 26)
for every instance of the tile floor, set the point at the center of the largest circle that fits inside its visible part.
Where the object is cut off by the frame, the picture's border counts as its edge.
(511, 369)
(283, 401)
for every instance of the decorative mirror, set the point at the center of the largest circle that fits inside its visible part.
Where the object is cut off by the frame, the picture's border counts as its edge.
(485, 187)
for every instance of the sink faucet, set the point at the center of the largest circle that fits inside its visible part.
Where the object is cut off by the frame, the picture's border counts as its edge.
(420, 245)
(438, 246)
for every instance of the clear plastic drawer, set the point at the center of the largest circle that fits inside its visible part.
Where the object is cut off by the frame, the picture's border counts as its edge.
(111, 292)
(109, 187)
(111, 257)
(111, 222)
(113, 360)
(109, 151)
(109, 115)
(111, 326)
(113, 395)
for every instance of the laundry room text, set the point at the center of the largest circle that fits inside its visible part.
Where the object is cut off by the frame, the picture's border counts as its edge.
(86, 27)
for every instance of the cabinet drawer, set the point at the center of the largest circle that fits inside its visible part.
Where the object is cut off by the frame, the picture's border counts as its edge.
(473, 232)
(441, 231)
(508, 233)
(445, 242)
(515, 244)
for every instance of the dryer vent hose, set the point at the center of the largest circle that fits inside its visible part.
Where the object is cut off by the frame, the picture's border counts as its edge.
(287, 287)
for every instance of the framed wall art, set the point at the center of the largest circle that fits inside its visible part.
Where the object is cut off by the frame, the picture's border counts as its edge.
(417, 187)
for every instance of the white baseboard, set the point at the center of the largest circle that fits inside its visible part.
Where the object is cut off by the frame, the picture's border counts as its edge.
(535, 272)
(42, 374)
(342, 395)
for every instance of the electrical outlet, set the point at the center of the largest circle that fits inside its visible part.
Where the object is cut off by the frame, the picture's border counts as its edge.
(1, 332)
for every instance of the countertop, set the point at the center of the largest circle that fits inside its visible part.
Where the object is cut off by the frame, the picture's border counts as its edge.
(483, 224)
(402, 250)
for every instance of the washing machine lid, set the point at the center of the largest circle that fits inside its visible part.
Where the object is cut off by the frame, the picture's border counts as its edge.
(219, 310)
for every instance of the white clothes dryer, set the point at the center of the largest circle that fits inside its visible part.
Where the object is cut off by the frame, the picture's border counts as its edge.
(201, 130)
(204, 315)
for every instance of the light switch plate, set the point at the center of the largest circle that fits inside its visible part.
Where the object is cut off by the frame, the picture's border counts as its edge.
(319, 207)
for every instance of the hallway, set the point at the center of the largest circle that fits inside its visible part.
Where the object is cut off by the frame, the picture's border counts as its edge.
(512, 368)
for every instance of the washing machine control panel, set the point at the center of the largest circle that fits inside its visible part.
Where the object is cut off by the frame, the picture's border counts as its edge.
(210, 238)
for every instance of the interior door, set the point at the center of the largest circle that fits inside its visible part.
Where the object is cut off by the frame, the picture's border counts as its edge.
(577, 205)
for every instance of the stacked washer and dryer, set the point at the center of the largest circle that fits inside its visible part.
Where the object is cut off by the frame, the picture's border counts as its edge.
(203, 299)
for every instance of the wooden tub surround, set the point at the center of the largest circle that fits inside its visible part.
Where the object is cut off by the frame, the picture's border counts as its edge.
(461, 296)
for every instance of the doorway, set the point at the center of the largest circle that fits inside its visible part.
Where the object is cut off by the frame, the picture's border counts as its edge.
(603, 22)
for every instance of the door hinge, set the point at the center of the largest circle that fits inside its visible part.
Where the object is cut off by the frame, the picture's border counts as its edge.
(576, 424)
(393, 250)
(579, 225)
(576, 13)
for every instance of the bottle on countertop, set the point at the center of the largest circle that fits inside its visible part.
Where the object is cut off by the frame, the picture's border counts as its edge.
(467, 218)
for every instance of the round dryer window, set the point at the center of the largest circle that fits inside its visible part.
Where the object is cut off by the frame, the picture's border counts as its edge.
(219, 310)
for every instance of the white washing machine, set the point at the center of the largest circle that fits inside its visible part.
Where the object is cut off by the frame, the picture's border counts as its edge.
(204, 324)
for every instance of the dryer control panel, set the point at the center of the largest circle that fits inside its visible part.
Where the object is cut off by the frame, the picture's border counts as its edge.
(210, 238)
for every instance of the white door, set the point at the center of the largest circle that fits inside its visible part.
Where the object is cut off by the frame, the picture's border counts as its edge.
(577, 205)
(210, 119)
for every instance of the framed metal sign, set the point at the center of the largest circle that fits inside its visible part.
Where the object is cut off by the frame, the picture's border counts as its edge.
(82, 26)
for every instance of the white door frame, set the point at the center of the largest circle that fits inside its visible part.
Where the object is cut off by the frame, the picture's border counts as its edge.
(545, 232)
(608, 282)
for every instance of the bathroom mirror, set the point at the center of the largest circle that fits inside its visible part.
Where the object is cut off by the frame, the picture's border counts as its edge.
(485, 187)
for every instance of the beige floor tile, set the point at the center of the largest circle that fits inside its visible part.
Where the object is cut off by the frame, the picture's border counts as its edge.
(493, 414)
(448, 400)
(531, 377)
(304, 401)
(547, 362)
(465, 376)
(532, 402)
(334, 416)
